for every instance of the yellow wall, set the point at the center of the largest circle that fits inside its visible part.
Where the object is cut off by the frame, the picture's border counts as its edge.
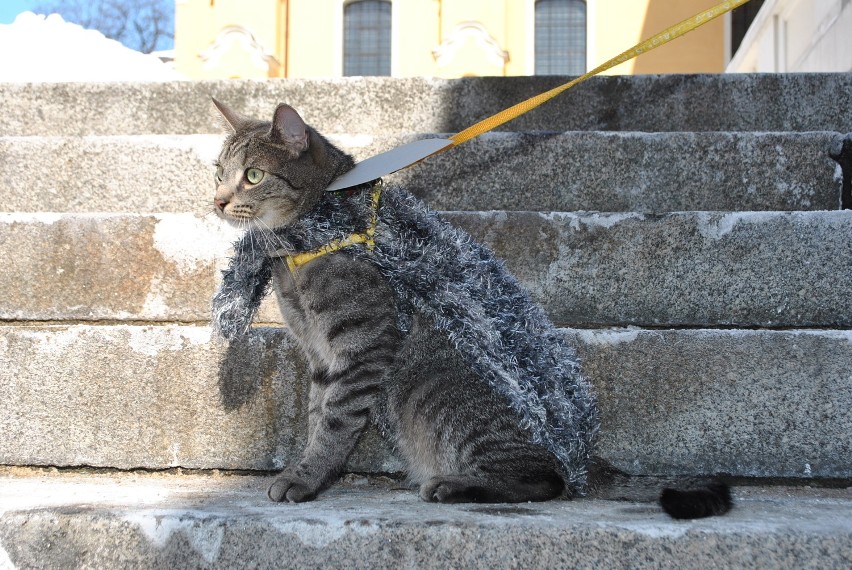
(314, 41)
(702, 51)
(198, 23)
(439, 38)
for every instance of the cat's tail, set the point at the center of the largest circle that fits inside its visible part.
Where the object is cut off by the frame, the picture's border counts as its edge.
(712, 500)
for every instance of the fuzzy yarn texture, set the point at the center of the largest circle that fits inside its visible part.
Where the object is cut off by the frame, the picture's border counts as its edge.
(439, 271)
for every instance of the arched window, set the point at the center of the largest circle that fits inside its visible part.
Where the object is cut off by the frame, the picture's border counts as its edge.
(560, 37)
(367, 37)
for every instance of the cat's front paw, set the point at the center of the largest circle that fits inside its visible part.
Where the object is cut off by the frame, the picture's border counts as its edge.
(288, 487)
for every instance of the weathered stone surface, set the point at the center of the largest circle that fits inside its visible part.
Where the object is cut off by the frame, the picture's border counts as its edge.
(748, 403)
(195, 521)
(692, 268)
(704, 269)
(155, 397)
(95, 267)
(610, 172)
(631, 172)
(150, 174)
(753, 403)
(735, 102)
(157, 392)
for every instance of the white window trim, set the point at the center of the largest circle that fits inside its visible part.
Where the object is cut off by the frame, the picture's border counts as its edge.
(446, 51)
(242, 37)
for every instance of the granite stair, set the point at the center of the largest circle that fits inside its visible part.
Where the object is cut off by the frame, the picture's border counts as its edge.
(687, 233)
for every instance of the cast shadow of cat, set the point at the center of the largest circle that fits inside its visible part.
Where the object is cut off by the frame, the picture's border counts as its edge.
(252, 363)
(260, 367)
(239, 374)
(473, 176)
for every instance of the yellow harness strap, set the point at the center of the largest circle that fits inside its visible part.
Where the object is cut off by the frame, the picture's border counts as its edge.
(367, 237)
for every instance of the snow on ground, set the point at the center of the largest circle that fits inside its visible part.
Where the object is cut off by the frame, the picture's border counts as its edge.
(40, 48)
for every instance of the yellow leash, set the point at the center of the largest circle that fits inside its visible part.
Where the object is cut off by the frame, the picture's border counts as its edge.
(406, 155)
(413, 152)
(656, 41)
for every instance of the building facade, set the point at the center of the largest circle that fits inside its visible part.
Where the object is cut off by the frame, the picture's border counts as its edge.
(436, 38)
(797, 36)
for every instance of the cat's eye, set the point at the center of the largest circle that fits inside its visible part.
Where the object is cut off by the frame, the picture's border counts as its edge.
(220, 172)
(254, 175)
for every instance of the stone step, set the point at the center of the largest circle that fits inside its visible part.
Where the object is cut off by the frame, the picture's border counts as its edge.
(571, 171)
(736, 102)
(82, 520)
(742, 269)
(749, 403)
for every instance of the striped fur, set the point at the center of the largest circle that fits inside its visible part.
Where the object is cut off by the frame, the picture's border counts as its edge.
(374, 353)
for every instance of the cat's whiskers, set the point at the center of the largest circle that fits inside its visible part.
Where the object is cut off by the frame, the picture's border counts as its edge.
(198, 208)
(273, 241)
(251, 233)
(261, 234)
(205, 210)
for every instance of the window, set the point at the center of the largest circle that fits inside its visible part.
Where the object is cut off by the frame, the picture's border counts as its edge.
(367, 37)
(560, 37)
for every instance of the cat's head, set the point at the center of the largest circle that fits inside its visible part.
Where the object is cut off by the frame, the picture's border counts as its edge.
(271, 173)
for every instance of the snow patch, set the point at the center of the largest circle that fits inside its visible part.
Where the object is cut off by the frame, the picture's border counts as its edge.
(189, 241)
(47, 48)
(718, 228)
(47, 218)
(52, 342)
(831, 334)
(174, 450)
(313, 532)
(5, 561)
(600, 220)
(713, 227)
(204, 535)
(151, 341)
(670, 530)
(610, 337)
(154, 305)
(498, 217)
(197, 335)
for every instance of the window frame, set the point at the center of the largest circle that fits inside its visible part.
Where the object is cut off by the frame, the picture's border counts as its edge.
(535, 61)
(387, 66)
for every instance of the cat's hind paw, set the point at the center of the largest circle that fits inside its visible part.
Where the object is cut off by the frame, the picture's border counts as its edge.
(447, 490)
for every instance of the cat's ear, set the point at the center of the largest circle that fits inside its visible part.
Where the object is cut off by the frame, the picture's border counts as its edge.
(289, 128)
(232, 119)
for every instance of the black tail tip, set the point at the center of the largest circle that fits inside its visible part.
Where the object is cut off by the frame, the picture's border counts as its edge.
(712, 500)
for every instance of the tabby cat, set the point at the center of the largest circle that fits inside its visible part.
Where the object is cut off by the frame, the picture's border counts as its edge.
(405, 321)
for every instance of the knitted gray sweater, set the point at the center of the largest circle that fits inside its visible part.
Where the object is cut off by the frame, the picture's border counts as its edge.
(439, 271)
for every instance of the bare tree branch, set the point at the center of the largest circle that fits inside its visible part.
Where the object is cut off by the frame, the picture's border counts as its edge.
(142, 25)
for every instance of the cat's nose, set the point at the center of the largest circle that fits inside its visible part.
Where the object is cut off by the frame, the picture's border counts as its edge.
(220, 204)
